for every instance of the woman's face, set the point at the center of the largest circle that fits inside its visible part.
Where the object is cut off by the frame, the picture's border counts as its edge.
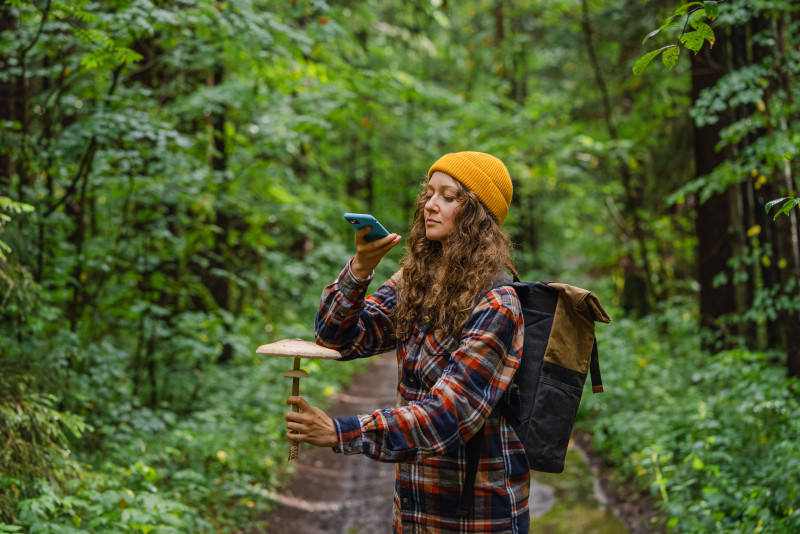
(441, 207)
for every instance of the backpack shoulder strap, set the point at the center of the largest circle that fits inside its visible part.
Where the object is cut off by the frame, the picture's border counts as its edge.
(594, 370)
(473, 454)
(473, 447)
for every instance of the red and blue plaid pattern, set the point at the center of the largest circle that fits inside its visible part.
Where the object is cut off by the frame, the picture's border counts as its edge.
(447, 390)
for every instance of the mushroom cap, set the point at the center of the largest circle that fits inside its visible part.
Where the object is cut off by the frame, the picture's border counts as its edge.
(297, 348)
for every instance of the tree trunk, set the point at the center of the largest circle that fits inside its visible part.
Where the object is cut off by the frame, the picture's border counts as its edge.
(713, 216)
(788, 231)
(10, 104)
(220, 286)
(637, 288)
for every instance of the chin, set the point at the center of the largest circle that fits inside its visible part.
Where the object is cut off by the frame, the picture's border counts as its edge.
(432, 236)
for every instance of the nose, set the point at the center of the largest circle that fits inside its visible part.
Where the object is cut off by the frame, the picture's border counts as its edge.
(431, 204)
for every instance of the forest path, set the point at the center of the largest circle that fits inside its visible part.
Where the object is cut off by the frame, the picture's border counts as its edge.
(337, 494)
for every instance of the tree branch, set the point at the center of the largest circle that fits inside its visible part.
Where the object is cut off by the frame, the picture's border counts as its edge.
(24, 51)
(586, 25)
(88, 155)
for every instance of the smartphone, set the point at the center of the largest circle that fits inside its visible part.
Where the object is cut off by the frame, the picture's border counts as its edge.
(360, 220)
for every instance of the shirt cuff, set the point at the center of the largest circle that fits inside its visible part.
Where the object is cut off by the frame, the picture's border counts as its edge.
(348, 429)
(352, 287)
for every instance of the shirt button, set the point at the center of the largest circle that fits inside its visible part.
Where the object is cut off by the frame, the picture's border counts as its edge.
(405, 500)
(411, 380)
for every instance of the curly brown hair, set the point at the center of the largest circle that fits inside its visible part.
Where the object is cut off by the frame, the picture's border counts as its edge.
(439, 285)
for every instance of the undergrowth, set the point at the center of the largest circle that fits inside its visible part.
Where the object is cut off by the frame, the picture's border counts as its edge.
(206, 468)
(715, 437)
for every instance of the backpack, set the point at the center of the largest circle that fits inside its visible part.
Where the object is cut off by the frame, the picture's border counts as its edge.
(559, 349)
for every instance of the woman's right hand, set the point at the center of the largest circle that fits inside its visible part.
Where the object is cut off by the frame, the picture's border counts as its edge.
(370, 254)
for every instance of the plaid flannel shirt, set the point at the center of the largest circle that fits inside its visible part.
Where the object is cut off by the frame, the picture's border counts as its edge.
(447, 389)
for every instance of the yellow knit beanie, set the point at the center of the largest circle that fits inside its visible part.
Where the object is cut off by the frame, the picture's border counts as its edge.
(484, 174)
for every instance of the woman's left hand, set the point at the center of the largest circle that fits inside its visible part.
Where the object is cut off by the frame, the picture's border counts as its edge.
(310, 425)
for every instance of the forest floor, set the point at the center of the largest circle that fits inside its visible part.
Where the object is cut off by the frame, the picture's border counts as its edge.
(336, 494)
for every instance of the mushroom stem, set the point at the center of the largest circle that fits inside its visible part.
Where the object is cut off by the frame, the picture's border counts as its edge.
(297, 349)
(293, 451)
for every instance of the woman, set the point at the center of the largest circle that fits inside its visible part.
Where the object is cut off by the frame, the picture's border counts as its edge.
(458, 344)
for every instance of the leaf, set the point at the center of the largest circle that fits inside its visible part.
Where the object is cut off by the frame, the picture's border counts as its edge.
(704, 30)
(788, 204)
(651, 34)
(693, 41)
(697, 464)
(126, 55)
(640, 65)
(699, 15)
(768, 205)
(6, 204)
(685, 7)
(675, 21)
(671, 55)
(712, 9)
(786, 208)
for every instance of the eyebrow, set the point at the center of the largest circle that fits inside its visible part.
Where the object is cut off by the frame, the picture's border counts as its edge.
(448, 187)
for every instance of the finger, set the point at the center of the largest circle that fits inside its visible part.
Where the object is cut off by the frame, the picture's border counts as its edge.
(300, 402)
(293, 417)
(385, 240)
(391, 241)
(293, 436)
(376, 246)
(361, 232)
(385, 246)
(294, 427)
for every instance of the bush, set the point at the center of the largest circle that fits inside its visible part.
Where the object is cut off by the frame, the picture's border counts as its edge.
(209, 463)
(35, 437)
(714, 436)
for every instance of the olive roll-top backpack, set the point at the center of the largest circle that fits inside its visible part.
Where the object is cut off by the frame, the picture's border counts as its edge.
(559, 351)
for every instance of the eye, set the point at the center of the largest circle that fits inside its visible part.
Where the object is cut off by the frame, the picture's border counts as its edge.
(449, 198)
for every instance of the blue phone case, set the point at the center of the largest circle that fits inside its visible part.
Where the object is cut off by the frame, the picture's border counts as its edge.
(360, 220)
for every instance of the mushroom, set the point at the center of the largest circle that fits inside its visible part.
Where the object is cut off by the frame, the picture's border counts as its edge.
(297, 348)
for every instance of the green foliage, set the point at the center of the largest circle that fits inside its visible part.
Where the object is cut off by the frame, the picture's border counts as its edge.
(764, 133)
(785, 208)
(187, 164)
(771, 301)
(161, 471)
(105, 510)
(9, 206)
(713, 437)
(35, 434)
(693, 14)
